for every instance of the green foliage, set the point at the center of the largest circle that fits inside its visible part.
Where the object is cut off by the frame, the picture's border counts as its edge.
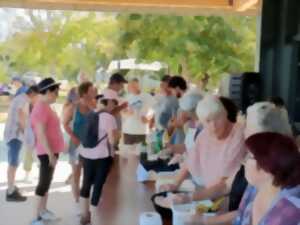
(64, 43)
(192, 46)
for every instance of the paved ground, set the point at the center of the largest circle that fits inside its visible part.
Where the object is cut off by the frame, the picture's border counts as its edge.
(21, 213)
(60, 200)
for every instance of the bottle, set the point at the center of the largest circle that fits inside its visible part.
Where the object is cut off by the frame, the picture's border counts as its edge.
(143, 147)
(165, 139)
(158, 143)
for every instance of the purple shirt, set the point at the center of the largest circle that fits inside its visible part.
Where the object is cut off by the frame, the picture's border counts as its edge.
(285, 209)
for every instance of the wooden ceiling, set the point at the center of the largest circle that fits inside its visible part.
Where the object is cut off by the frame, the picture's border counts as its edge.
(183, 7)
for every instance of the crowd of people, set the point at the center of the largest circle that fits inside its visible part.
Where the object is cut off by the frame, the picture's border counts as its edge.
(251, 162)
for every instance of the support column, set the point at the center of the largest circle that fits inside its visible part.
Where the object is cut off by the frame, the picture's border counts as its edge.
(279, 57)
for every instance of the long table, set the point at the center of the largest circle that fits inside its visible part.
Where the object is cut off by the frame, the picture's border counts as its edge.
(124, 199)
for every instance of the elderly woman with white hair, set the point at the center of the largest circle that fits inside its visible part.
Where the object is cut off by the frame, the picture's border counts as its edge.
(187, 104)
(261, 117)
(219, 147)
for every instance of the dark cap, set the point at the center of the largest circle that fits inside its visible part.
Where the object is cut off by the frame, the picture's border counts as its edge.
(16, 78)
(47, 83)
(117, 78)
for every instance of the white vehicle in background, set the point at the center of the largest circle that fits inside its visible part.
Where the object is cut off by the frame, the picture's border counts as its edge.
(145, 72)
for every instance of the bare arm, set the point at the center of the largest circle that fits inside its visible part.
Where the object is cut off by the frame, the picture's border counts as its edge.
(178, 148)
(67, 118)
(113, 137)
(218, 190)
(119, 108)
(22, 119)
(224, 219)
(183, 174)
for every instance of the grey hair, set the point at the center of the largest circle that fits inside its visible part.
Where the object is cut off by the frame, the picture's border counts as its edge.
(188, 102)
(209, 107)
(266, 117)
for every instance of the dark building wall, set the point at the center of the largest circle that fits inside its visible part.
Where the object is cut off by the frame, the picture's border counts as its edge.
(280, 53)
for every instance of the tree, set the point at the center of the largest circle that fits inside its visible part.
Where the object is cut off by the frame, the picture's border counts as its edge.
(193, 46)
(62, 43)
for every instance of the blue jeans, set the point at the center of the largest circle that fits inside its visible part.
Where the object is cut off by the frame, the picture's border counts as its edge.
(14, 148)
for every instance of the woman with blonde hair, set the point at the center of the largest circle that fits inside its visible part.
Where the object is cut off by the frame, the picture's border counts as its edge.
(221, 142)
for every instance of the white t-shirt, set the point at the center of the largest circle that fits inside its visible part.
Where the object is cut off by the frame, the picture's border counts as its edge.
(12, 126)
(107, 123)
(141, 105)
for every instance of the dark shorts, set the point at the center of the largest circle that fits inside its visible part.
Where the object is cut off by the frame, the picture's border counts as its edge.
(131, 139)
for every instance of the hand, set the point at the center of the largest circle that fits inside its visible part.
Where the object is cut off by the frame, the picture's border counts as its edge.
(172, 122)
(129, 111)
(144, 119)
(75, 141)
(124, 105)
(52, 160)
(196, 219)
(177, 158)
(183, 118)
(181, 198)
(167, 151)
(168, 187)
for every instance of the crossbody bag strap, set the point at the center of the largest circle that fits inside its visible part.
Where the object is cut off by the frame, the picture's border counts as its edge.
(106, 135)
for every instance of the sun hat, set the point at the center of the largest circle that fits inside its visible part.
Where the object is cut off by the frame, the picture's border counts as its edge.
(47, 83)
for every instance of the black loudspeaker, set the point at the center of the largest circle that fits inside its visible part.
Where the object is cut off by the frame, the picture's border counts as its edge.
(245, 89)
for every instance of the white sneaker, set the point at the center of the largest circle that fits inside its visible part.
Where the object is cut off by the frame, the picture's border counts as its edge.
(47, 215)
(37, 222)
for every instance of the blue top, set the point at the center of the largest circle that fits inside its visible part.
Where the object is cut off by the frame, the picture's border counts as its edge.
(79, 122)
(21, 90)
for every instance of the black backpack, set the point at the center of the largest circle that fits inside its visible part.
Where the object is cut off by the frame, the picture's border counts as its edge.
(91, 138)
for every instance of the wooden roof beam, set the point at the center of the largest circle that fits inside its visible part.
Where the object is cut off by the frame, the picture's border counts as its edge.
(243, 5)
(178, 7)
